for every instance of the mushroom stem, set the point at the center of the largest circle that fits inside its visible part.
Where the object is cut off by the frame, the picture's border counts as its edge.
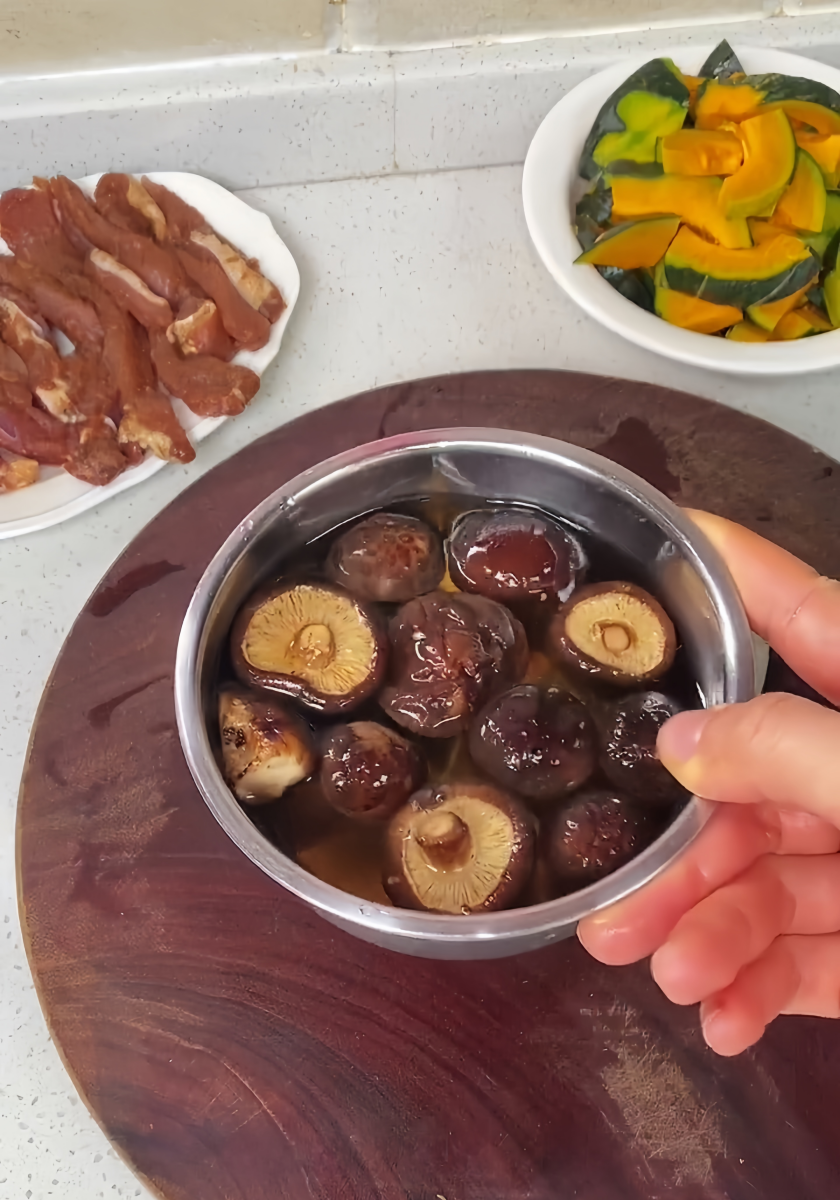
(445, 838)
(314, 644)
(617, 638)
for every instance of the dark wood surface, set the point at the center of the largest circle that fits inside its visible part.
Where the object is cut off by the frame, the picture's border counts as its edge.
(236, 1047)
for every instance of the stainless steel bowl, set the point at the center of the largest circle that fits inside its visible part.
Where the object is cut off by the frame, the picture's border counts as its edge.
(674, 560)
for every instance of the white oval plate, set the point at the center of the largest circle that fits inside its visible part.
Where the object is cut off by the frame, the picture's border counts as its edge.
(551, 187)
(57, 496)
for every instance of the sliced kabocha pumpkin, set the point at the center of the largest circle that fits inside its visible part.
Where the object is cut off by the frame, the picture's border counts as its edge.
(690, 312)
(739, 277)
(801, 322)
(802, 204)
(824, 148)
(701, 152)
(721, 101)
(632, 244)
(651, 103)
(745, 331)
(692, 198)
(735, 99)
(769, 162)
(767, 316)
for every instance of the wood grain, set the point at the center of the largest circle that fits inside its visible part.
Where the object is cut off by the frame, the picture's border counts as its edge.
(236, 1047)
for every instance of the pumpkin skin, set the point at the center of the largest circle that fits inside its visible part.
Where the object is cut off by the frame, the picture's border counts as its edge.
(652, 102)
(769, 162)
(701, 152)
(690, 312)
(767, 316)
(694, 199)
(745, 331)
(633, 244)
(802, 204)
(722, 63)
(739, 277)
(802, 322)
(629, 284)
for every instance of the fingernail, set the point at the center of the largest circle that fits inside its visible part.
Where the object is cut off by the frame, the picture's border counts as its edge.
(710, 1010)
(679, 737)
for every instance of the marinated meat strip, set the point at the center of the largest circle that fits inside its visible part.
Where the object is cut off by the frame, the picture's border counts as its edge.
(18, 473)
(188, 227)
(148, 419)
(14, 381)
(181, 218)
(198, 329)
(124, 201)
(48, 377)
(27, 306)
(89, 451)
(30, 228)
(208, 387)
(245, 325)
(129, 291)
(97, 457)
(87, 229)
(32, 433)
(251, 284)
(64, 308)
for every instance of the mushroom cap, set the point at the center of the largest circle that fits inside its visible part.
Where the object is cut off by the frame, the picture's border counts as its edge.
(367, 770)
(449, 654)
(311, 641)
(615, 632)
(459, 849)
(628, 728)
(266, 747)
(513, 554)
(539, 742)
(597, 832)
(387, 557)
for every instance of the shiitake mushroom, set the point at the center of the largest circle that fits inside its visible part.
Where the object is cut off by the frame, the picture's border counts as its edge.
(513, 555)
(387, 557)
(538, 742)
(449, 654)
(629, 727)
(313, 642)
(460, 849)
(597, 832)
(266, 746)
(368, 770)
(615, 632)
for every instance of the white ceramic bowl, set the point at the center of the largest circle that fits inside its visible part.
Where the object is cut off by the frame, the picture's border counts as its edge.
(551, 187)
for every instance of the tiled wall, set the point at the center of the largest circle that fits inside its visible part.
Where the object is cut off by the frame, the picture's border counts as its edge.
(52, 36)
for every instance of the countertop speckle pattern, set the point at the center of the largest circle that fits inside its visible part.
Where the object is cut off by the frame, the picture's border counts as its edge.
(403, 276)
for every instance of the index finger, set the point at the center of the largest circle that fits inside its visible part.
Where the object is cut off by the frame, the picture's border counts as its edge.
(788, 604)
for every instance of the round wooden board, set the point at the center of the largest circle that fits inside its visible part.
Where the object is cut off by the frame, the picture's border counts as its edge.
(234, 1046)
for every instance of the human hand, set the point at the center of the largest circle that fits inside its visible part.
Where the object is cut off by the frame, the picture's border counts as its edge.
(747, 922)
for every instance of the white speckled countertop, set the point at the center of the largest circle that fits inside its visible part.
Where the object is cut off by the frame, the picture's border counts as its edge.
(403, 276)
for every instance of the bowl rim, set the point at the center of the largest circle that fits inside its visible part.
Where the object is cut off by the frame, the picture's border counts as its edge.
(511, 924)
(550, 173)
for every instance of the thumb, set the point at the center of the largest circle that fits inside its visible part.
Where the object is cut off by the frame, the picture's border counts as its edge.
(776, 748)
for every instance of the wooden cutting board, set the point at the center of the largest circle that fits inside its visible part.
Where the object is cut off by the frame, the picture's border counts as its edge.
(234, 1046)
